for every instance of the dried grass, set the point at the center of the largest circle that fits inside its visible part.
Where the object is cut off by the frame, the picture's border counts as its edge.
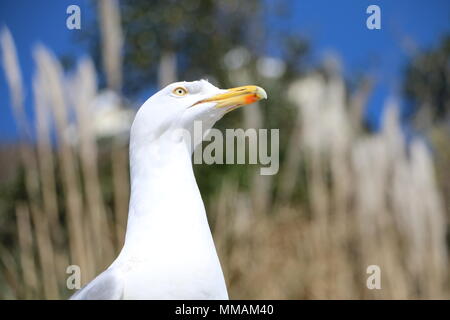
(370, 199)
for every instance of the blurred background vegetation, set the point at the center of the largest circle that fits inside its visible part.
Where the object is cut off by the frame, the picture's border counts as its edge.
(346, 196)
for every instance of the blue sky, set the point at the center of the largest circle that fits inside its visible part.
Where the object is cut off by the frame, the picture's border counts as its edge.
(338, 27)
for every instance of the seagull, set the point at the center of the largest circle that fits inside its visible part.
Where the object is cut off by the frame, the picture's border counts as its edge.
(169, 251)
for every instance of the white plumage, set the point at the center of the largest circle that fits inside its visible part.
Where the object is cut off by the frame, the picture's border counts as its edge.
(169, 251)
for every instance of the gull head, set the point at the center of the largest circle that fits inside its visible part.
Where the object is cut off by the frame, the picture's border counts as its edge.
(179, 105)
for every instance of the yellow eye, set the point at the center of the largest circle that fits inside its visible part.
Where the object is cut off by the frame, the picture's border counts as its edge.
(180, 91)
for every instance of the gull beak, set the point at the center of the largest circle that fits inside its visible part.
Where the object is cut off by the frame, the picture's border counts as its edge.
(237, 97)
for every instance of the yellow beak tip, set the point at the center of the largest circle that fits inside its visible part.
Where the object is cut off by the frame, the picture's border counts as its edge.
(261, 93)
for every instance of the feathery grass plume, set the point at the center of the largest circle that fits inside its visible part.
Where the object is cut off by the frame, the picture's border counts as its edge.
(46, 253)
(433, 229)
(46, 159)
(121, 186)
(167, 69)
(358, 101)
(112, 41)
(14, 78)
(84, 89)
(52, 76)
(111, 32)
(26, 244)
(13, 282)
(47, 174)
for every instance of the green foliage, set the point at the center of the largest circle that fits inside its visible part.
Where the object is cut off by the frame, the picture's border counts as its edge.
(200, 32)
(428, 81)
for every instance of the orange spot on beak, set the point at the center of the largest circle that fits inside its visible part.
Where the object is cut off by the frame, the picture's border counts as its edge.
(251, 98)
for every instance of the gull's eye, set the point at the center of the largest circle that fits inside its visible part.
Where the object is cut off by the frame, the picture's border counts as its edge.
(180, 91)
